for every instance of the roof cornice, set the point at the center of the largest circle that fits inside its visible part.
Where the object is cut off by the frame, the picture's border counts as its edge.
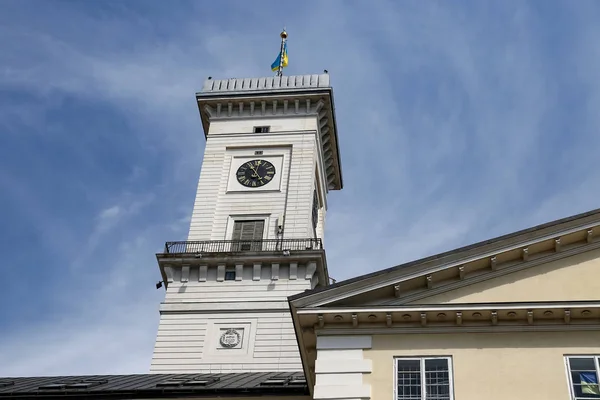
(273, 97)
(310, 323)
(533, 305)
(448, 318)
(534, 246)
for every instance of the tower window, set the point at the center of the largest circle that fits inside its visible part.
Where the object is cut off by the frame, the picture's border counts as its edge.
(262, 129)
(249, 235)
(315, 209)
(230, 275)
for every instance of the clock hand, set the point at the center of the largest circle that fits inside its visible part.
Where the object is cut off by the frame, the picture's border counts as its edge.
(255, 171)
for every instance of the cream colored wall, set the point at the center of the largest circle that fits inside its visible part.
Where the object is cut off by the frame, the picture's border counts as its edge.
(528, 366)
(566, 279)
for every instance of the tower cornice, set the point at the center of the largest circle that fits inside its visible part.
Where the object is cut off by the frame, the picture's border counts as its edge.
(308, 252)
(283, 96)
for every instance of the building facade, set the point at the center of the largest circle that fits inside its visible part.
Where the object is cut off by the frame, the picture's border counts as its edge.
(256, 232)
(517, 317)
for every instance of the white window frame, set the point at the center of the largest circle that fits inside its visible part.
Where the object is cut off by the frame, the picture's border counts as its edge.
(595, 357)
(422, 359)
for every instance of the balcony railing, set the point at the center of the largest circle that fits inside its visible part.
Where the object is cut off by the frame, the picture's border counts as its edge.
(236, 246)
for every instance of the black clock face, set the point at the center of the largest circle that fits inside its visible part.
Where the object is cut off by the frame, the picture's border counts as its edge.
(255, 173)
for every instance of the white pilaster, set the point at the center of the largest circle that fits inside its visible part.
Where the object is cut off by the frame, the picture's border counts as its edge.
(202, 273)
(340, 367)
(239, 272)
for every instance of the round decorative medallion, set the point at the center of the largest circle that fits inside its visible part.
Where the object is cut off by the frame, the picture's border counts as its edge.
(230, 338)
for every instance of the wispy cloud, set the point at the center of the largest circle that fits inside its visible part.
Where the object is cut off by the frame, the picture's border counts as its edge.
(91, 342)
(456, 123)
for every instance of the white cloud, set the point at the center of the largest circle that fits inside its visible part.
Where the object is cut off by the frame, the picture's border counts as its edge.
(96, 341)
(442, 115)
(110, 213)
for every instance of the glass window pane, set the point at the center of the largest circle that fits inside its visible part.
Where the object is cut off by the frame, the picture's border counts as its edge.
(437, 379)
(586, 391)
(409, 380)
(582, 364)
(436, 364)
(584, 377)
(230, 275)
(409, 365)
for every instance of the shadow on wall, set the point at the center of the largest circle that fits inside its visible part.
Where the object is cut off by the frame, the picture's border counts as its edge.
(515, 340)
(555, 281)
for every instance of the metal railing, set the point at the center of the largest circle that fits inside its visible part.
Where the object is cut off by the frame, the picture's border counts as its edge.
(236, 246)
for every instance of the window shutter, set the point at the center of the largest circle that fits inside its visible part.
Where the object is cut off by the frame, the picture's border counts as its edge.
(237, 230)
(247, 230)
(250, 231)
(259, 227)
(315, 209)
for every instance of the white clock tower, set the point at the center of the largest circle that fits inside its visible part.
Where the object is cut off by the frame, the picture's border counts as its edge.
(256, 233)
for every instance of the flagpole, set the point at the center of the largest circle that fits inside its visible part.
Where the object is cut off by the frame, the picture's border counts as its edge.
(283, 35)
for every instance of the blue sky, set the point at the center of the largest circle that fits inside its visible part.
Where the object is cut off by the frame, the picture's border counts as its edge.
(458, 121)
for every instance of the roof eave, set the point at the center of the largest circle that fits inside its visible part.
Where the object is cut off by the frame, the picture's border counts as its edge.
(354, 286)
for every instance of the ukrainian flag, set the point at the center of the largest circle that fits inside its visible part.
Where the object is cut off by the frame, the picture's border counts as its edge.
(589, 383)
(284, 54)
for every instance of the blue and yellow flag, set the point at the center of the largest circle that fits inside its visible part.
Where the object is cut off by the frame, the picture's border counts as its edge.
(275, 65)
(589, 383)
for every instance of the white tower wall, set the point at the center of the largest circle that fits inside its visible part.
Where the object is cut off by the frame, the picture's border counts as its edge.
(225, 308)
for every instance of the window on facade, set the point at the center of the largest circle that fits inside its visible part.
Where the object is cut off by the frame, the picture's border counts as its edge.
(424, 378)
(248, 235)
(583, 377)
(315, 209)
(230, 275)
(261, 129)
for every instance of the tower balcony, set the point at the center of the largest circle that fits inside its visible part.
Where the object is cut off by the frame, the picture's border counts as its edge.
(209, 247)
(188, 261)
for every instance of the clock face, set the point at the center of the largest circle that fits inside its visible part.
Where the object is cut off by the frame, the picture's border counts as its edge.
(255, 173)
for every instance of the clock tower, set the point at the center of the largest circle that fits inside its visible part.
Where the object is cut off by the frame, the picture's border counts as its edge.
(256, 232)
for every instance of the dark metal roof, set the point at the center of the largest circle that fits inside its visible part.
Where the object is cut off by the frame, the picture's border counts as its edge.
(154, 386)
